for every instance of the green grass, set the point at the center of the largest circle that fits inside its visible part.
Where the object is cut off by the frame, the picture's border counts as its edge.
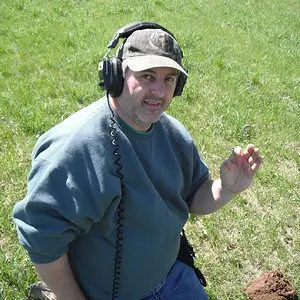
(244, 86)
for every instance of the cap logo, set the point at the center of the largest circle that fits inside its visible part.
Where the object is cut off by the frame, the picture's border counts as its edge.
(157, 40)
(164, 42)
(161, 40)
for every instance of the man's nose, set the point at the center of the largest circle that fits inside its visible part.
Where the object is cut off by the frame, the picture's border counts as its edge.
(158, 88)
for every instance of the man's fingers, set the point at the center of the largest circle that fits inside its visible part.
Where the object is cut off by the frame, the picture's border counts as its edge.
(250, 155)
(249, 149)
(254, 155)
(236, 152)
(256, 165)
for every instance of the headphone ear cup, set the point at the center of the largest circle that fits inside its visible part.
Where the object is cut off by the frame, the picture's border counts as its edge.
(111, 76)
(116, 78)
(182, 78)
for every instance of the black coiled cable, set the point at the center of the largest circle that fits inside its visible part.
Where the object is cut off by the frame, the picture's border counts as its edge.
(186, 253)
(120, 213)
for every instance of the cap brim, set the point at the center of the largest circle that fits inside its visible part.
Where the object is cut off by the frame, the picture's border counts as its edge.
(141, 63)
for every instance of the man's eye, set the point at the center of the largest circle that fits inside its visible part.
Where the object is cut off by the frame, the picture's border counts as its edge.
(147, 76)
(170, 79)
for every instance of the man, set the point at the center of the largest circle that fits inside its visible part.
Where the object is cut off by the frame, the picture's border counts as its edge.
(111, 187)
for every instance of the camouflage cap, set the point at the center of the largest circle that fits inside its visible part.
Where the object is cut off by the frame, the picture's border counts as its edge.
(151, 48)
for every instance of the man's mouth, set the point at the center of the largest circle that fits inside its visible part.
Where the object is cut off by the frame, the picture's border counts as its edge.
(153, 104)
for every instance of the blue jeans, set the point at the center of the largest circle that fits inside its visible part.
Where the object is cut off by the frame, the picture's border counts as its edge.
(180, 284)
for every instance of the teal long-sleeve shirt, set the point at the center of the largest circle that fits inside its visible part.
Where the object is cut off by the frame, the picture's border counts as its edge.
(74, 190)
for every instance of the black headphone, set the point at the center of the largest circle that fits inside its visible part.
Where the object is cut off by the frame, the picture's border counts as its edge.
(110, 69)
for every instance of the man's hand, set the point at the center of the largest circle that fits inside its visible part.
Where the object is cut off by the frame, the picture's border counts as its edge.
(238, 170)
(236, 175)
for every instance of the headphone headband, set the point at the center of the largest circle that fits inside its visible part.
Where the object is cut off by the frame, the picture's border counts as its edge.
(127, 30)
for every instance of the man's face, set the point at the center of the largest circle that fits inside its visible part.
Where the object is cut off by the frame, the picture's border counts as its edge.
(146, 94)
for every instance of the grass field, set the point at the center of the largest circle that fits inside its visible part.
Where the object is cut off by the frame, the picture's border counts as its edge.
(244, 86)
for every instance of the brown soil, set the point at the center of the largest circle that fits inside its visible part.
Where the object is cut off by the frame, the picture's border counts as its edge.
(271, 286)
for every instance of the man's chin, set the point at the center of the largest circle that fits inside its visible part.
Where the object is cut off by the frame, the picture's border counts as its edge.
(152, 120)
(154, 117)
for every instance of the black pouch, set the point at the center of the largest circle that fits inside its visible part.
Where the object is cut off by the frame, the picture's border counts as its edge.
(186, 255)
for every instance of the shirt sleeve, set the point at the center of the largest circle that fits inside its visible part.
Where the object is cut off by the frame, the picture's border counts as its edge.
(63, 200)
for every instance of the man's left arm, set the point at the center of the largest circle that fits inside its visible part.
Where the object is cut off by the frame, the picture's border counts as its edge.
(236, 175)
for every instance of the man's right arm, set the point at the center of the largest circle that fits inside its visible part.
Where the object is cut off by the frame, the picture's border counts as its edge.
(60, 279)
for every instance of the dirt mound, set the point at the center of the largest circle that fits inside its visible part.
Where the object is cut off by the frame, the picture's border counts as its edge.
(271, 286)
